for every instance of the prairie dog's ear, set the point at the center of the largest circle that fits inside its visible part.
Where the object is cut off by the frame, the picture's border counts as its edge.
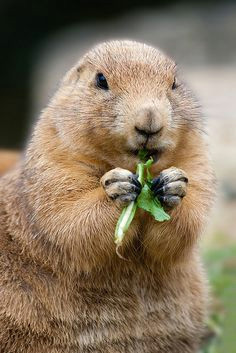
(73, 74)
(80, 67)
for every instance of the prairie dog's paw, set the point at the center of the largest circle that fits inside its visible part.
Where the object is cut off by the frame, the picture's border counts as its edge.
(121, 185)
(170, 187)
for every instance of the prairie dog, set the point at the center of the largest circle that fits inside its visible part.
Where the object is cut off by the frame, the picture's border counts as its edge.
(63, 288)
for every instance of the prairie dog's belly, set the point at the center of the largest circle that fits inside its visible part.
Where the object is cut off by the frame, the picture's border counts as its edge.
(131, 314)
(138, 316)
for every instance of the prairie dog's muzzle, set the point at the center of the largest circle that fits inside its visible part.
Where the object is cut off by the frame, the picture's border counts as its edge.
(148, 122)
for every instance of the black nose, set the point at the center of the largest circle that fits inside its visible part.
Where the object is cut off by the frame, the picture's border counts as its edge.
(147, 132)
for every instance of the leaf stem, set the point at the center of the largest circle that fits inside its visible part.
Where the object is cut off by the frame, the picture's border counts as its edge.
(129, 211)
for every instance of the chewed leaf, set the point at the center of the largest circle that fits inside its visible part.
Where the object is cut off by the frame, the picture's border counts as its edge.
(149, 203)
(143, 155)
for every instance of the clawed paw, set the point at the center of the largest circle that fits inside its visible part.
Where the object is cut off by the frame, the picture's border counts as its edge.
(170, 187)
(121, 185)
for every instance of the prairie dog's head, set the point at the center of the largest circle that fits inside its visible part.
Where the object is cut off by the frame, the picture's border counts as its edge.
(121, 97)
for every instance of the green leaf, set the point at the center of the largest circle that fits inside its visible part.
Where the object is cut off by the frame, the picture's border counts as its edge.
(124, 221)
(148, 163)
(149, 203)
(149, 176)
(146, 200)
(141, 171)
(143, 155)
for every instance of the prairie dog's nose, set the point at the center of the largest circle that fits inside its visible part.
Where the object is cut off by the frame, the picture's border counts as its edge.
(147, 123)
(147, 132)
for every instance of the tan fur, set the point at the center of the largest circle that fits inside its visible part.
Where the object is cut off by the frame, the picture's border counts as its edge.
(63, 288)
(7, 160)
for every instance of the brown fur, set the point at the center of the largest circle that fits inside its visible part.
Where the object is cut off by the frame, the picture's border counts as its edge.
(63, 288)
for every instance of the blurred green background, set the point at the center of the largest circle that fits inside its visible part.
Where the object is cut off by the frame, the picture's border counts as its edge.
(40, 40)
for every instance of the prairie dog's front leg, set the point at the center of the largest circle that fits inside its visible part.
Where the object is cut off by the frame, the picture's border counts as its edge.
(86, 217)
(186, 195)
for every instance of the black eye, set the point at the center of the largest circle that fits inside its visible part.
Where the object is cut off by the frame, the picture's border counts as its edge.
(101, 81)
(174, 84)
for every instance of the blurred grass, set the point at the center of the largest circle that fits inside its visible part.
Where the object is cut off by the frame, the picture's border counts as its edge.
(220, 262)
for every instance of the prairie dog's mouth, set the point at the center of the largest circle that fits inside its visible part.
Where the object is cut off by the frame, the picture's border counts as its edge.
(154, 153)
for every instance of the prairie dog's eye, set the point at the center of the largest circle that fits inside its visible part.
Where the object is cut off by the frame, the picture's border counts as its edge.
(101, 81)
(174, 84)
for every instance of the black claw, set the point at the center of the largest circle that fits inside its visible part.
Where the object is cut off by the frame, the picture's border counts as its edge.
(157, 183)
(136, 182)
(160, 191)
(136, 189)
(161, 199)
